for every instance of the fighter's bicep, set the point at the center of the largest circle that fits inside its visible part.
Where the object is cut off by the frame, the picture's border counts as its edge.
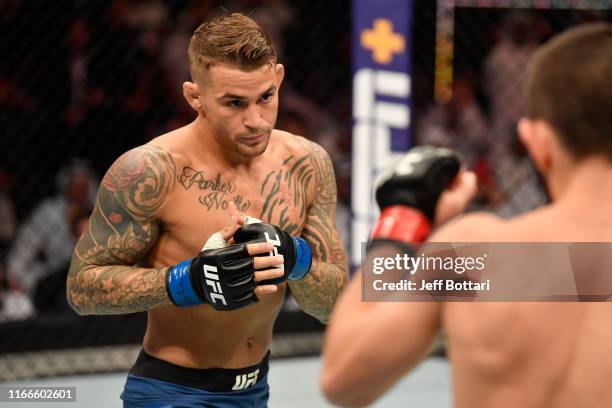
(414, 325)
(320, 229)
(114, 236)
(125, 223)
(397, 338)
(393, 337)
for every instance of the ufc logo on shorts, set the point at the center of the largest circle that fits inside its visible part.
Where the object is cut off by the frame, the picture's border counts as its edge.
(244, 381)
(212, 280)
(276, 242)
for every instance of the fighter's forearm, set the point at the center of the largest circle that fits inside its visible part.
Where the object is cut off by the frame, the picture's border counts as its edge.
(318, 291)
(116, 289)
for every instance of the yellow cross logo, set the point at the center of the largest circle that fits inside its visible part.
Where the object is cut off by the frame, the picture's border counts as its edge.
(382, 41)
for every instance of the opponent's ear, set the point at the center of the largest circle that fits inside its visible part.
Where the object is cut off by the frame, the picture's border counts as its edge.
(538, 137)
(191, 92)
(280, 74)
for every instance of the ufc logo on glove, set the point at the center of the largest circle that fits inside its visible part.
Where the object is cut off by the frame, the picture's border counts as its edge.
(212, 280)
(276, 242)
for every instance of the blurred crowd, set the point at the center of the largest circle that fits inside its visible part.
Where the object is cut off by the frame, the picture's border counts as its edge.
(82, 81)
(479, 121)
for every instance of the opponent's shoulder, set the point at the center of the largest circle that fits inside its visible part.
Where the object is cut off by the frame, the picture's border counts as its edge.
(546, 223)
(472, 227)
(542, 224)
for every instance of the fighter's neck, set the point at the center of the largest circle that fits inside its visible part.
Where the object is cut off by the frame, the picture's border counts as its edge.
(208, 147)
(589, 180)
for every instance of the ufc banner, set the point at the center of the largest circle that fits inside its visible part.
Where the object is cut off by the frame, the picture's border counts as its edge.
(381, 102)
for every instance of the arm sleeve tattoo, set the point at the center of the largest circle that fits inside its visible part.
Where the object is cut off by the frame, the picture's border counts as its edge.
(123, 227)
(317, 293)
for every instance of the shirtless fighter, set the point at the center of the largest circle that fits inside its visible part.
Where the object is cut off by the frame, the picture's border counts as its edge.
(211, 312)
(503, 354)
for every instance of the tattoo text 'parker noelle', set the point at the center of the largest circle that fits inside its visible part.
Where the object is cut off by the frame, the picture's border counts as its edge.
(219, 193)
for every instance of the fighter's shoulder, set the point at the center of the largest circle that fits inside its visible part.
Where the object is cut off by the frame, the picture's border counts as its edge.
(472, 227)
(175, 143)
(149, 163)
(298, 145)
(146, 155)
(167, 150)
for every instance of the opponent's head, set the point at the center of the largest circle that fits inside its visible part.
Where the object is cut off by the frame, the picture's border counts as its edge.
(569, 99)
(235, 82)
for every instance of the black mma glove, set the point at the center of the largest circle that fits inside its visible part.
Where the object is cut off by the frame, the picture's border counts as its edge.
(408, 196)
(295, 250)
(223, 278)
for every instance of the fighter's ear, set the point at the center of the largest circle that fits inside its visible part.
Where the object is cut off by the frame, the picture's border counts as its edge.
(191, 92)
(538, 137)
(280, 73)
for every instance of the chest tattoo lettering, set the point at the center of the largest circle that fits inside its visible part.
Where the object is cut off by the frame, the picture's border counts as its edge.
(216, 192)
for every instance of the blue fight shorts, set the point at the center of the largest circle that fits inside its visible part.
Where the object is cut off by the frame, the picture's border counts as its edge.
(154, 383)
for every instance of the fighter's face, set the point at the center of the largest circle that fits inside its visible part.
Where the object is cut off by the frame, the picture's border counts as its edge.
(241, 106)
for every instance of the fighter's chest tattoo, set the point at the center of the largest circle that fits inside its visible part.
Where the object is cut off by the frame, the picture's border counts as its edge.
(283, 192)
(215, 192)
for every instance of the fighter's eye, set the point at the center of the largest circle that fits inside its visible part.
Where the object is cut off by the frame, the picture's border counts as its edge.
(236, 103)
(267, 97)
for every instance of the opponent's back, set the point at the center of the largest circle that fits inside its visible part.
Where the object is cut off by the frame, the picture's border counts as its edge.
(535, 354)
(546, 354)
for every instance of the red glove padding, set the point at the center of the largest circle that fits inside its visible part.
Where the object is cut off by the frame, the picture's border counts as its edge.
(401, 223)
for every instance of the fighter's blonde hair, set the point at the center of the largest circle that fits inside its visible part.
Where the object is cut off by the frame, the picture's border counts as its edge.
(235, 40)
